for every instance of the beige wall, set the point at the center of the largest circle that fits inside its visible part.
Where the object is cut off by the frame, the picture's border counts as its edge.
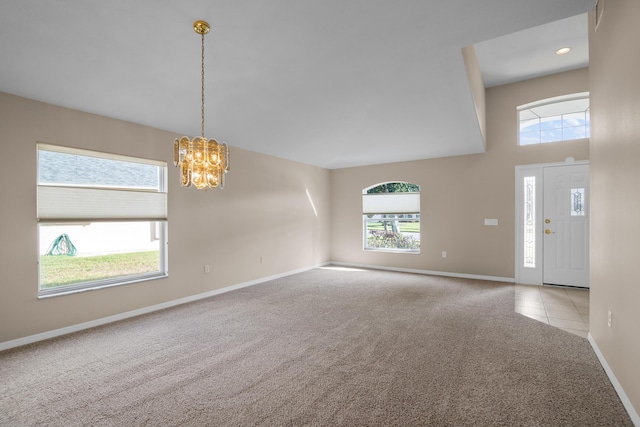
(263, 211)
(458, 193)
(474, 76)
(615, 175)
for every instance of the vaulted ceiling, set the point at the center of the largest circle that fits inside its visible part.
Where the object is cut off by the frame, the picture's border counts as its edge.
(334, 83)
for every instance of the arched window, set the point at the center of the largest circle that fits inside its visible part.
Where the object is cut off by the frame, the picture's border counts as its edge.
(391, 217)
(562, 118)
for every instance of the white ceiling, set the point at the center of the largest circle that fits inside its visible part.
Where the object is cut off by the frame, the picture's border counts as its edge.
(334, 83)
(531, 53)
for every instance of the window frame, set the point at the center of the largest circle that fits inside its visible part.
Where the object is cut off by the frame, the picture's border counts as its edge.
(408, 203)
(550, 102)
(152, 199)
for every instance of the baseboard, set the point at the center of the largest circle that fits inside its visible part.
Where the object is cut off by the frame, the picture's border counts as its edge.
(635, 418)
(429, 272)
(133, 313)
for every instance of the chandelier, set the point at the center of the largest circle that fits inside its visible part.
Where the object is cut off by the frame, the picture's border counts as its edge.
(202, 163)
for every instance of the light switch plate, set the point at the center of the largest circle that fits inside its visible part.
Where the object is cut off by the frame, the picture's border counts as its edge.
(492, 221)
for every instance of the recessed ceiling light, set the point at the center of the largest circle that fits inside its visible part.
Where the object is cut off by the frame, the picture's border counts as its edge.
(563, 51)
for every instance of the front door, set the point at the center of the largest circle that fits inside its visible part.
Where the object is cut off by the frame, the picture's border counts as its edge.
(565, 237)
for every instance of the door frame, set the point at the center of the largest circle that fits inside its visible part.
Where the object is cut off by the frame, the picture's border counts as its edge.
(532, 275)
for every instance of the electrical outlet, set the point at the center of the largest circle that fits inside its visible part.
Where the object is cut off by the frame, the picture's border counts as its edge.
(444, 254)
(609, 318)
(207, 268)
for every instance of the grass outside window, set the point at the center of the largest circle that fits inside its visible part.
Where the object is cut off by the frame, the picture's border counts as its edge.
(404, 227)
(57, 271)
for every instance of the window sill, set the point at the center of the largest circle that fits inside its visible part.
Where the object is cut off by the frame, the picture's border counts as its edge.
(94, 286)
(393, 251)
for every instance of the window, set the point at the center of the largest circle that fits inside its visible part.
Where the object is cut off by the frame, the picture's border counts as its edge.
(391, 217)
(529, 222)
(577, 201)
(102, 219)
(562, 118)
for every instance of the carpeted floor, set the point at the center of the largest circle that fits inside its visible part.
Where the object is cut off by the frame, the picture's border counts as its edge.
(321, 348)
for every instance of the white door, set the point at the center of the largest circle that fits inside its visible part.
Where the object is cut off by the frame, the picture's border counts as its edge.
(565, 238)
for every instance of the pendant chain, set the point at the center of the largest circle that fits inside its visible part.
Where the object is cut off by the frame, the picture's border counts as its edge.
(203, 85)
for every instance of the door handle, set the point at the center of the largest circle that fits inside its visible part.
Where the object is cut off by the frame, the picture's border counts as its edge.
(547, 231)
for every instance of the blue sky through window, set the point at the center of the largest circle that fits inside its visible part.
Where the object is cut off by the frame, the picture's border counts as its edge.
(557, 119)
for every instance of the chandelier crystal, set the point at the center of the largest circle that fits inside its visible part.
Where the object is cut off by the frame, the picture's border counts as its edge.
(202, 163)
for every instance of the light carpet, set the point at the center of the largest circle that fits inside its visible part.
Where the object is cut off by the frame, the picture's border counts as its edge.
(320, 348)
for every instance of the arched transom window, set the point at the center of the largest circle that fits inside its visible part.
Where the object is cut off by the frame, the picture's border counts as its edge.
(563, 118)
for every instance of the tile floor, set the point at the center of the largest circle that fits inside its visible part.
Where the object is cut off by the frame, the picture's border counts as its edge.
(564, 308)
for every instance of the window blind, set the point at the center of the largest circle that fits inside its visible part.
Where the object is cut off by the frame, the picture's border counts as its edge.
(390, 203)
(82, 203)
